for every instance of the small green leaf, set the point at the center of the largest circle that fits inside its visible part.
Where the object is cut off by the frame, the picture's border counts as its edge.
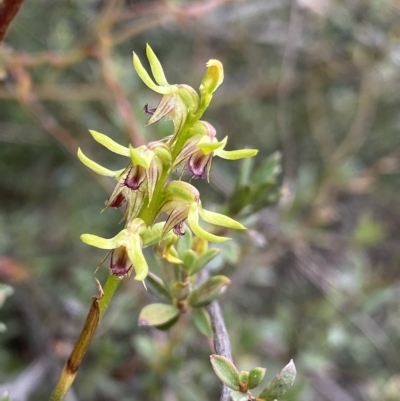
(180, 290)
(243, 381)
(280, 384)
(202, 321)
(157, 314)
(208, 291)
(156, 286)
(202, 261)
(226, 371)
(256, 376)
(189, 258)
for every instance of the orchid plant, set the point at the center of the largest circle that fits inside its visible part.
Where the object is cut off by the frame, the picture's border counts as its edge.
(161, 210)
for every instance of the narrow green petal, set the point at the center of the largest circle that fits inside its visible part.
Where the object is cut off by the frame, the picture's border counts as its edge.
(236, 154)
(156, 67)
(96, 167)
(208, 147)
(104, 243)
(109, 143)
(193, 218)
(220, 220)
(145, 77)
(137, 258)
(141, 159)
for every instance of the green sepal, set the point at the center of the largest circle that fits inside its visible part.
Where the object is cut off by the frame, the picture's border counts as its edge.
(220, 219)
(256, 376)
(202, 260)
(226, 371)
(193, 217)
(145, 77)
(104, 243)
(280, 384)
(236, 154)
(136, 256)
(243, 381)
(139, 158)
(208, 291)
(157, 287)
(156, 68)
(108, 143)
(207, 147)
(96, 167)
(202, 321)
(157, 314)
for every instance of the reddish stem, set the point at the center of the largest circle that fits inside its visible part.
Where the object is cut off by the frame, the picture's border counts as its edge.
(8, 10)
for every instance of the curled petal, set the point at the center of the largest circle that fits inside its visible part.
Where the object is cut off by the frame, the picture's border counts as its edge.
(120, 264)
(193, 220)
(96, 167)
(200, 165)
(137, 258)
(156, 67)
(145, 77)
(109, 143)
(236, 154)
(135, 177)
(153, 174)
(208, 147)
(141, 156)
(177, 216)
(104, 243)
(220, 219)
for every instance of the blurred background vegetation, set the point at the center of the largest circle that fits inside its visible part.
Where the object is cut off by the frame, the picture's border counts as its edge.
(316, 279)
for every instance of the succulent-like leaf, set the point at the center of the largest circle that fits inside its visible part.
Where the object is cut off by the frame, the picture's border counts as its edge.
(189, 257)
(208, 291)
(157, 314)
(180, 290)
(202, 321)
(202, 261)
(280, 384)
(256, 376)
(157, 287)
(226, 371)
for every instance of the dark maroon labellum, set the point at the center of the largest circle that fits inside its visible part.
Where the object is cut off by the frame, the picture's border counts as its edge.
(148, 110)
(135, 177)
(117, 201)
(120, 264)
(198, 164)
(178, 229)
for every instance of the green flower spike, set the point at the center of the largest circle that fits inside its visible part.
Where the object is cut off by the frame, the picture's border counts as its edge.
(181, 202)
(178, 100)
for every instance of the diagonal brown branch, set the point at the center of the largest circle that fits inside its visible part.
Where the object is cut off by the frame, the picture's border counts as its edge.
(8, 10)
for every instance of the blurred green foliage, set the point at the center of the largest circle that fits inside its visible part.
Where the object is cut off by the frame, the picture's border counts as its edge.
(317, 277)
